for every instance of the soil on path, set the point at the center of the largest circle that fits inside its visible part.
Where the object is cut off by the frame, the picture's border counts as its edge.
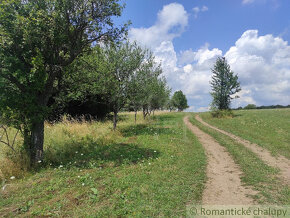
(280, 162)
(223, 186)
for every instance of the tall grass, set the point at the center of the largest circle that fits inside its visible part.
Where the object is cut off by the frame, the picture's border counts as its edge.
(66, 142)
(153, 168)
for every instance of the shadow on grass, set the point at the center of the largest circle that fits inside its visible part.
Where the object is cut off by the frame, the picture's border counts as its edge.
(88, 153)
(142, 129)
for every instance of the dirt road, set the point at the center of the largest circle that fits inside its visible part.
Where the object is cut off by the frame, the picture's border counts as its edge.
(223, 186)
(280, 162)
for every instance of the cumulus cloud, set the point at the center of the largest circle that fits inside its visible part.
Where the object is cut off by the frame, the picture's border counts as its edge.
(263, 65)
(171, 22)
(261, 62)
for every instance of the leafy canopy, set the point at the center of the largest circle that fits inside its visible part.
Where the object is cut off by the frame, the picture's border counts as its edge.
(179, 100)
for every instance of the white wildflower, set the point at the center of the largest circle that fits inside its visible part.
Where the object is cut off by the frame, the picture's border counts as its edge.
(12, 177)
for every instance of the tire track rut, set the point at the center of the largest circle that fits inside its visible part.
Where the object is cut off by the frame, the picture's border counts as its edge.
(280, 162)
(224, 185)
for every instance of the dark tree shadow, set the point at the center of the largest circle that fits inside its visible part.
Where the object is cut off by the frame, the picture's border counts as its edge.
(142, 129)
(121, 117)
(88, 153)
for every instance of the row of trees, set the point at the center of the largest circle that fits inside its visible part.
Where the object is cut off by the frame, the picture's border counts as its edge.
(124, 76)
(253, 106)
(55, 53)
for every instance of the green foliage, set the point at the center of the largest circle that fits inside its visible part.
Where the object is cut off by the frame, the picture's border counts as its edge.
(250, 106)
(39, 39)
(179, 100)
(119, 62)
(148, 88)
(224, 84)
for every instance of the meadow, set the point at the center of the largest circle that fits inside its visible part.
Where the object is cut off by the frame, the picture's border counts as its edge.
(268, 128)
(153, 168)
(263, 179)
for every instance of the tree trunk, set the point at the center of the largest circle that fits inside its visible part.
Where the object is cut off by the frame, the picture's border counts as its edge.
(115, 120)
(37, 138)
(135, 116)
(144, 113)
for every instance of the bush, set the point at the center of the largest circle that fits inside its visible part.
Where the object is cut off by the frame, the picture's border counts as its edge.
(222, 113)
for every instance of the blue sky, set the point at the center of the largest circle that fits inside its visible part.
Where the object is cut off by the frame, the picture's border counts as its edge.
(187, 36)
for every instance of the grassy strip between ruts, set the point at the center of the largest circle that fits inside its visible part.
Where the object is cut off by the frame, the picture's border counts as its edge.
(256, 173)
(268, 128)
(144, 170)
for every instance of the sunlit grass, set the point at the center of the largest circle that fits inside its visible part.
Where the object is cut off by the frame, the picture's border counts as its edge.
(153, 168)
(268, 128)
(256, 174)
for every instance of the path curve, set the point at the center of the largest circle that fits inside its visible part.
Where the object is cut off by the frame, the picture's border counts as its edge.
(280, 162)
(224, 185)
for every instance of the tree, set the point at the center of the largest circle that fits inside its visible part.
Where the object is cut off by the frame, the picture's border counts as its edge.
(39, 39)
(224, 84)
(170, 105)
(148, 90)
(250, 106)
(137, 90)
(179, 100)
(119, 62)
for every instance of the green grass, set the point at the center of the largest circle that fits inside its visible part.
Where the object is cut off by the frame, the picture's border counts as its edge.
(154, 168)
(267, 128)
(256, 174)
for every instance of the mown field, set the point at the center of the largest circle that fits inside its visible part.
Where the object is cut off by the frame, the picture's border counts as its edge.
(154, 168)
(267, 128)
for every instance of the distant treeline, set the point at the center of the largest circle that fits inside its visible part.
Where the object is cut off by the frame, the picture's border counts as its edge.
(253, 106)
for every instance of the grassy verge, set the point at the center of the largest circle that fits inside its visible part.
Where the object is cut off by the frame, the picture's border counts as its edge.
(150, 169)
(267, 128)
(256, 173)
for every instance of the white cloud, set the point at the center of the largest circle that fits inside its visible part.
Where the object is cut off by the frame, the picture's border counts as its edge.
(204, 8)
(248, 1)
(261, 62)
(263, 65)
(197, 10)
(171, 22)
(274, 3)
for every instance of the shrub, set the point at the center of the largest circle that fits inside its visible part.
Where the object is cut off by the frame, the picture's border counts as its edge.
(222, 113)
